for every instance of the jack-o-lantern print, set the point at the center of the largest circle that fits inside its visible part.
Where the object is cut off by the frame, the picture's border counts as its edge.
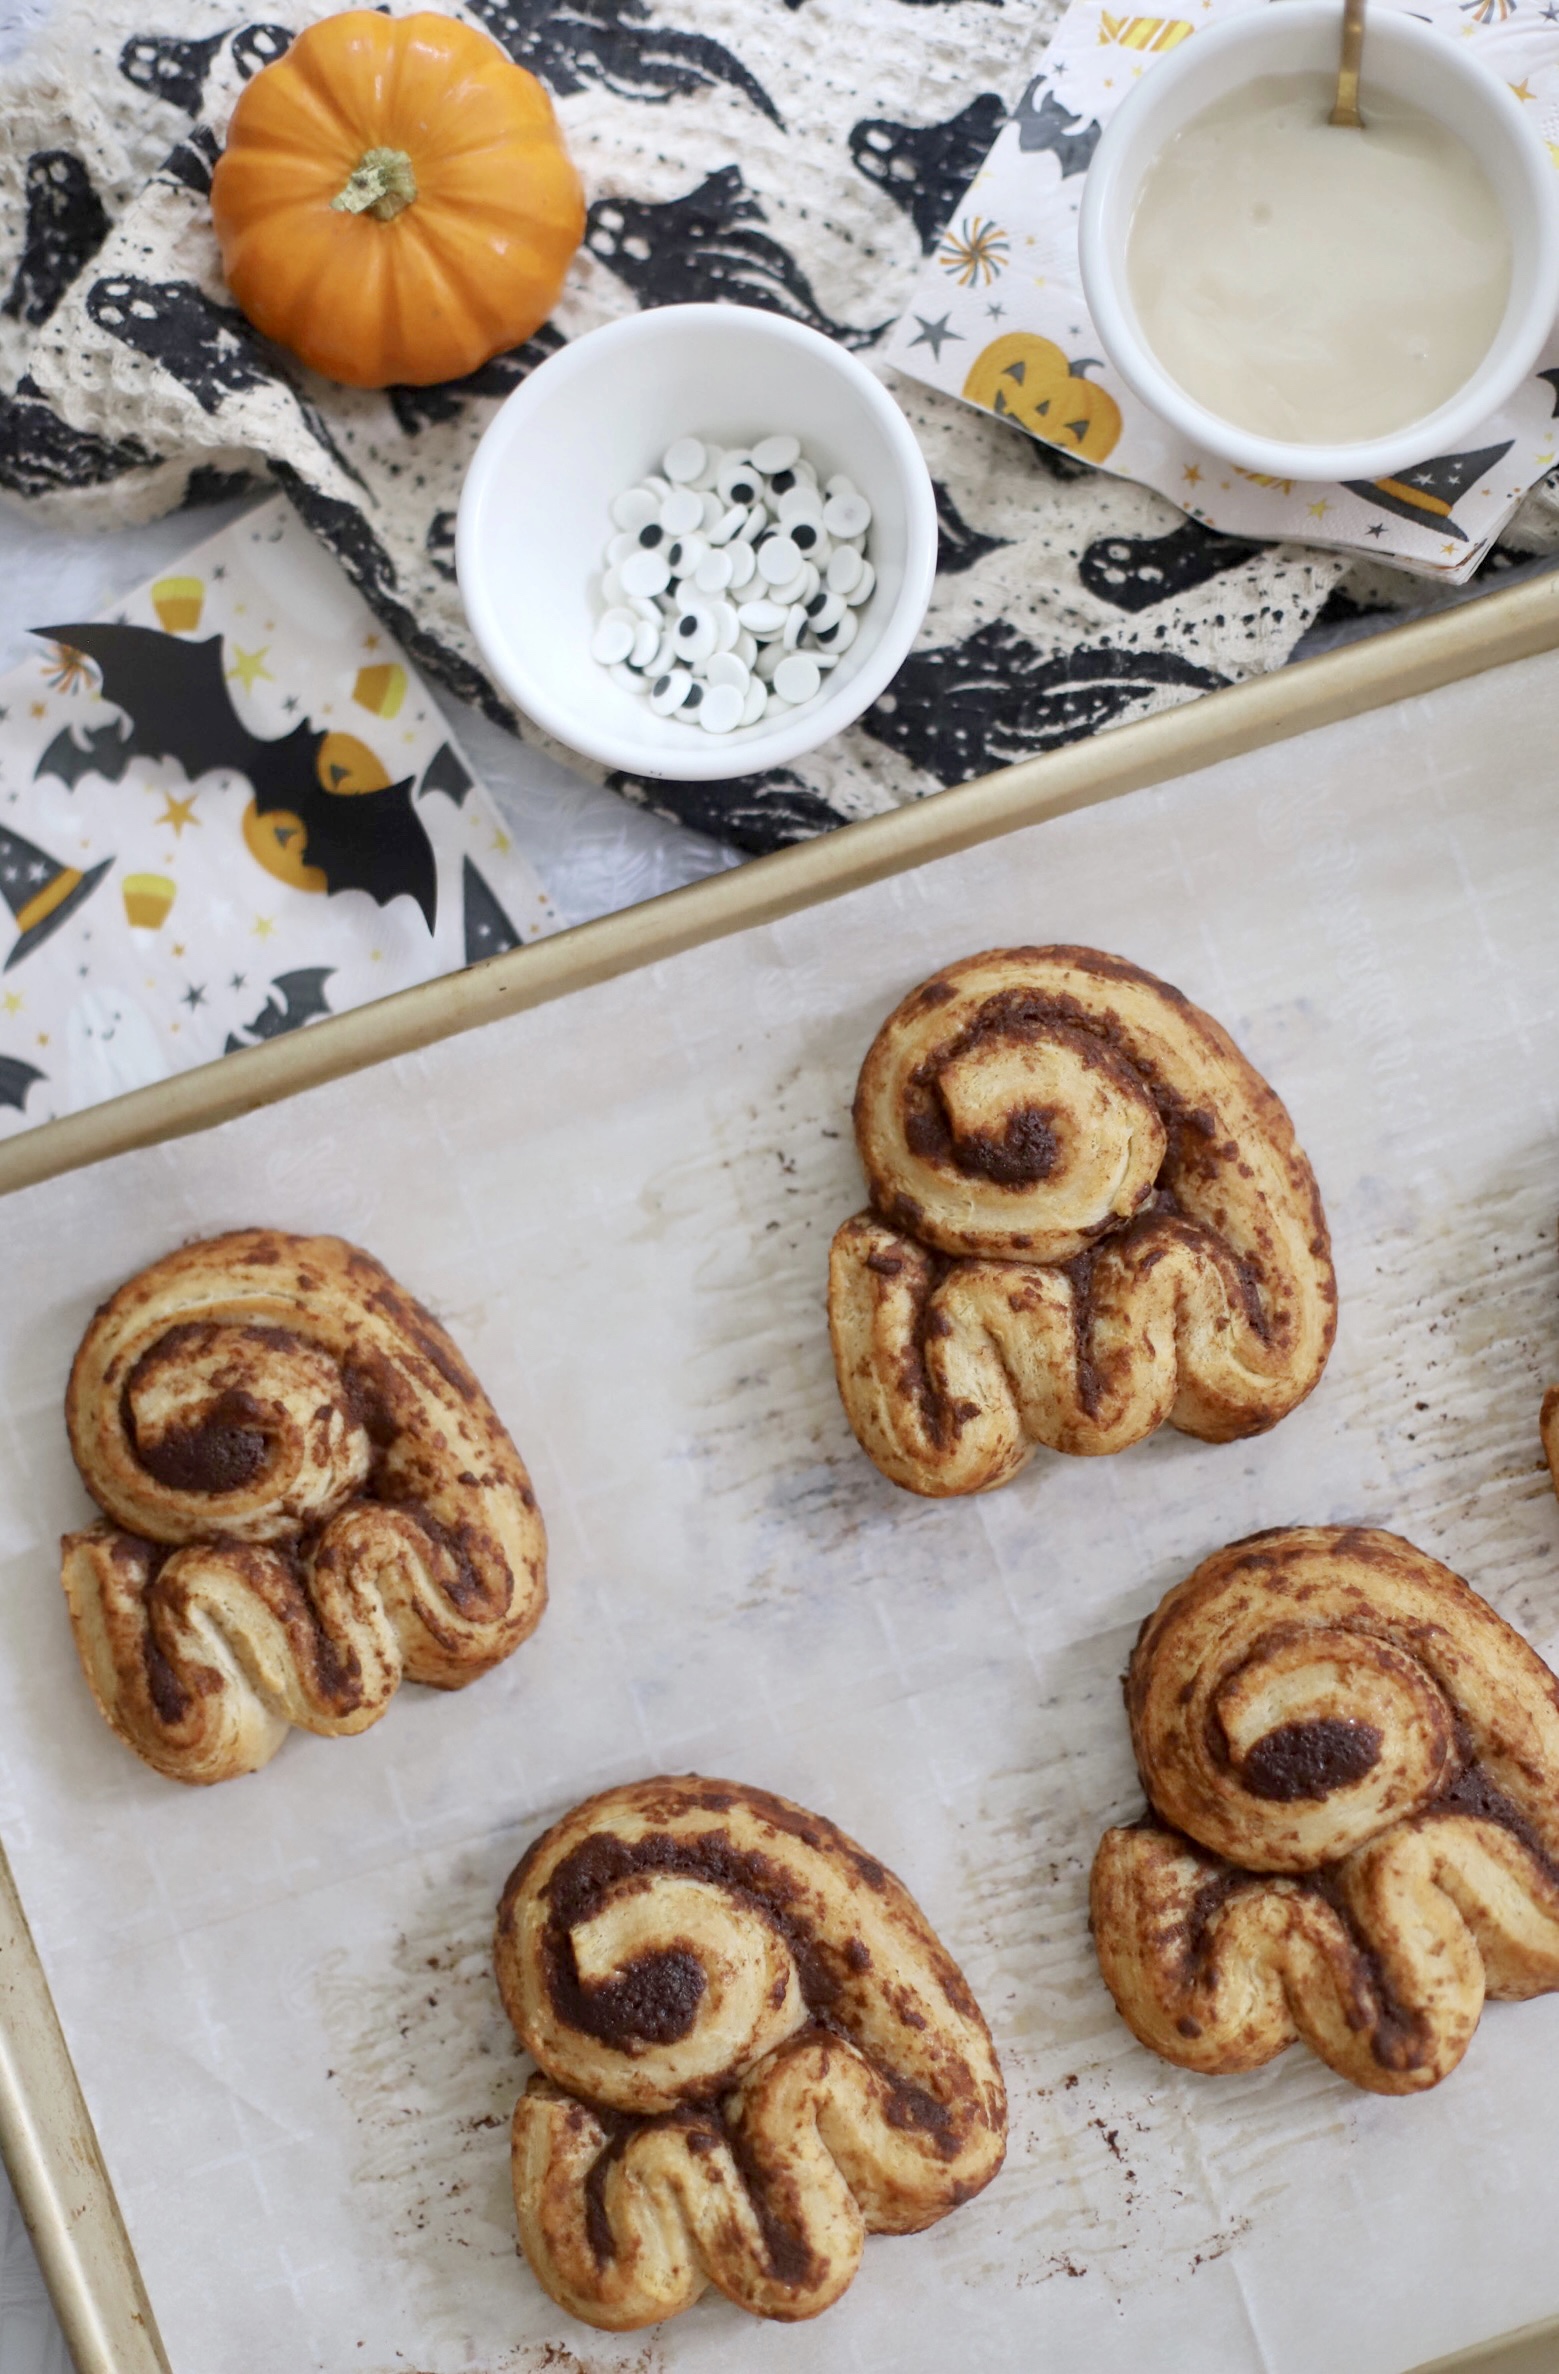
(279, 838)
(1027, 379)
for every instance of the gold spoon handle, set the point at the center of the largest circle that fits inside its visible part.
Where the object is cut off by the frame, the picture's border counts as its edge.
(1346, 111)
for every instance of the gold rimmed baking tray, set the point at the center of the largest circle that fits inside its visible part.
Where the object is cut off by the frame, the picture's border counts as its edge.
(45, 2130)
(1391, 666)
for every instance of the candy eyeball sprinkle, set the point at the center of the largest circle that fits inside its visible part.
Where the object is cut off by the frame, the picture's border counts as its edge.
(776, 456)
(681, 511)
(738, 479)
(844, 568)
(684, 460)
(847, 514)
(634, 508)
(733, 582)
(644, 573)
(614, 637)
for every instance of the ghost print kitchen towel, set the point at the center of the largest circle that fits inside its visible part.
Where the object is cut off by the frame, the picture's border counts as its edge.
(799, 155)
(226, 810)
(998, 316)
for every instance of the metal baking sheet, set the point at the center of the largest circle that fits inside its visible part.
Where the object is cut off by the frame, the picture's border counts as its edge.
(735, 1588)
(1392, 666)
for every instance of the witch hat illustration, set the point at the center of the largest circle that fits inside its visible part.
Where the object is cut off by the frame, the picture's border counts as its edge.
(488, 929)
(39, 891)
(1428, 492)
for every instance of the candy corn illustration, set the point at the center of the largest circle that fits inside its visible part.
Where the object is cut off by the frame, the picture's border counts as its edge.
(1143, 32)
(381, 689)
(148, 899)
(178, 602)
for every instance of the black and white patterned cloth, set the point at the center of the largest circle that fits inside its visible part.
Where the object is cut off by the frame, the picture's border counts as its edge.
(794, 154)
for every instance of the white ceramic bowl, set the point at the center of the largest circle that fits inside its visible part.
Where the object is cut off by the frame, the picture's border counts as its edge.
(595, 418)
(1414, 62)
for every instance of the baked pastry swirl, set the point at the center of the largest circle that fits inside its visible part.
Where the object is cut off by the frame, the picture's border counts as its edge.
(753, 2053)
(1088, 1216)
(1353, 1769)
(308, 1498)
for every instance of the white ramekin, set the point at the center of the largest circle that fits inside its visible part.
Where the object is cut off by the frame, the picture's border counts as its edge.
(596, 417)
(1411, 60)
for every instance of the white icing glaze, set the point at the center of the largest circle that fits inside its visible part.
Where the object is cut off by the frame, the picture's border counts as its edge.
(1311, 283)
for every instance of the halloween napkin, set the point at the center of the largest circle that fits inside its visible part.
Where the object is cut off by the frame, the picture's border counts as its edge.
(802, 157)
(228, 808)
(998, 315)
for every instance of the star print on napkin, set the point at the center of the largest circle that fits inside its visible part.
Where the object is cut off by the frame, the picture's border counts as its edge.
(226, 811)
(1016, 229)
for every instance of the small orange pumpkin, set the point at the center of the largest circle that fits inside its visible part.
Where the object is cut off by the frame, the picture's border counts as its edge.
(1028, 379)
(395, 203)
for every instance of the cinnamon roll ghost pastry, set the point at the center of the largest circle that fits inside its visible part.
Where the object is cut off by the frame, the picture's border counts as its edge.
(753, 2053)
(307, 1499)
(1088, 1218)
(1352, 1766)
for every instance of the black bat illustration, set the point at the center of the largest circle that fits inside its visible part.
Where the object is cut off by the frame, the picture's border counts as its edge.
(964, 708)
(16, 1078)
(958, 545)
(1427, 493)
(103, 750)
(925, 168)
(445, 772)
(610, 42)
(175, 699)
(66, 225)
(1552, 378)
(699, 249)
(1050, 126)
(296, 998)
(1134, 572)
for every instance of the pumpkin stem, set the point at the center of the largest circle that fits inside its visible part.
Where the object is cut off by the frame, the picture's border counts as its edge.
(381, 183)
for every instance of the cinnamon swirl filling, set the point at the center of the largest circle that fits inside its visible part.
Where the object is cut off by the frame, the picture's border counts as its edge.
(753, 2052)
(308, 1498)
(1088, 1219)
(1352, 1769)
